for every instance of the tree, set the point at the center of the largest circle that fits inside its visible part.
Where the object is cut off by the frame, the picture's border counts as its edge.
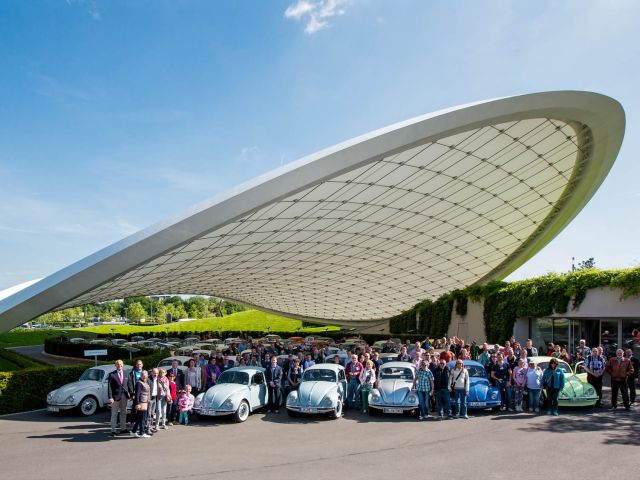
(136, 311)
(160, 314)
(587, 264)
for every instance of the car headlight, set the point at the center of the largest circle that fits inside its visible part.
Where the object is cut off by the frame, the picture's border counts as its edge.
(494, 396)
(326, 402)
(70, 399)
(375, 396)
(227, 404)
(50, 396)
(292, 398)
(411, 398)
(198, 402)
(563, 395)
(591, 391)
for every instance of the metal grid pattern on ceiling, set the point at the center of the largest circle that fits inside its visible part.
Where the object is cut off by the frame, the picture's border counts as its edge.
(374, 241)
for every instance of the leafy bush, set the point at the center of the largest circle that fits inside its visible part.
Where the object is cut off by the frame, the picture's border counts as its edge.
(27, 389)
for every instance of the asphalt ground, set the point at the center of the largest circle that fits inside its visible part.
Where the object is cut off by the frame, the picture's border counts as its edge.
(37, 353)
(594, 443)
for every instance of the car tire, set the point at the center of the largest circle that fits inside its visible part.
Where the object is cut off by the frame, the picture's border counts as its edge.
(337, 411)
(242, 413)
(88, 406)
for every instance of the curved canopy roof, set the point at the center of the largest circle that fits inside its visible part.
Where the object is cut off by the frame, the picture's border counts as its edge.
(365, 229)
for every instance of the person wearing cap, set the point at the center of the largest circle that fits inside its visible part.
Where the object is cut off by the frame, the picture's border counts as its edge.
(534, 386)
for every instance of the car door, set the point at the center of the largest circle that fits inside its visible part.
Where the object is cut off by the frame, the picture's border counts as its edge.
(342, 383)
(258, 391)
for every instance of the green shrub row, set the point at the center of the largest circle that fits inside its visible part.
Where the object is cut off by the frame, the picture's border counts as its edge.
(27, 389)
(19, 360)
(505, 302)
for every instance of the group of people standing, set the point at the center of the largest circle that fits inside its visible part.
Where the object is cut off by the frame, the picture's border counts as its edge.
(159, 398)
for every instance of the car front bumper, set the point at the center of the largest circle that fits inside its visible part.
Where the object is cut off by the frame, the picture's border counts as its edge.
(212, 412)
(309, 409)
(577, 402)
(390, 408)
(59, 407)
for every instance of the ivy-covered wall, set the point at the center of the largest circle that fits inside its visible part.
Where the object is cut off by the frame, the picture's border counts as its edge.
(506, 302)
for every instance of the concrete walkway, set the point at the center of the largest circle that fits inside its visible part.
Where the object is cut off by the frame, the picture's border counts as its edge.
(37, 353)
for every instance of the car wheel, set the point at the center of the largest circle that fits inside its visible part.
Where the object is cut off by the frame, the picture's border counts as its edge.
(337, 411)
(242, 413)
(88, 406)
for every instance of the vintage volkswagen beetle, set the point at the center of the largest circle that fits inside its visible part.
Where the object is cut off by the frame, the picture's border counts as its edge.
(322, 390)
(88, 394)
(238, 392)
(481, 393)
(576, 392)
(394, 389)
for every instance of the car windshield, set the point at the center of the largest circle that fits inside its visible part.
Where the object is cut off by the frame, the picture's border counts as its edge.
(400, 373)
(92, 374)
(241, 378)
(319, 375)
(561, 365)
(476, 371)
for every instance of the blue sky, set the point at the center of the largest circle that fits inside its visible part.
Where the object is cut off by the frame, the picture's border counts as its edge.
(116, 114)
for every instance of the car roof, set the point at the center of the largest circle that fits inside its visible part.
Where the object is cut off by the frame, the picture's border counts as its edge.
(249, 370)
(398, 364)
(109, 368)
(466, 363)
(326, 366)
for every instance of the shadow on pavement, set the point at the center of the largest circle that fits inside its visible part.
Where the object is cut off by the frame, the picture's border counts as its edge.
(95, 435)
(42, 416)
(619, 426)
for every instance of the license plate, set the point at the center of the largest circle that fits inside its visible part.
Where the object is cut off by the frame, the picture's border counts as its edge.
(309, 410)
(53, 409)
(392, 410)
(477, 404)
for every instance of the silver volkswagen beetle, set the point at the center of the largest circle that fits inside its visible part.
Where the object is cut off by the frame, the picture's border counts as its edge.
(394, 389)
(322, 390)
(238, 392)
(88, 394)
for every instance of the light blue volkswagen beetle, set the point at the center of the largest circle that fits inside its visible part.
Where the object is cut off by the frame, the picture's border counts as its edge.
(238, 392)
(322, 390)
(394, 390)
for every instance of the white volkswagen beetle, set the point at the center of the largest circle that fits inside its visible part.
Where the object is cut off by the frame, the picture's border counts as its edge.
(88, 394)
(322, 390)
(394, 390)
(238, 392)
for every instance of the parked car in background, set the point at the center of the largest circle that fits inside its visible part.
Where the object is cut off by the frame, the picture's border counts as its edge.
(322, 390)
(393, 392)
(86, 395)
(239, 391)
(182, 360)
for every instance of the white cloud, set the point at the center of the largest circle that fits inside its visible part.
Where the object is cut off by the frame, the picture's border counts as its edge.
(315, 13)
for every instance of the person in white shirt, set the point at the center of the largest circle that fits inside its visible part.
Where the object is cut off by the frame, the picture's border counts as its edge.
(459, 386)
(534, 386)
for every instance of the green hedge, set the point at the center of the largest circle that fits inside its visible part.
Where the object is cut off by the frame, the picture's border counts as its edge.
(505, 302)
(27, 389)
(21, 361)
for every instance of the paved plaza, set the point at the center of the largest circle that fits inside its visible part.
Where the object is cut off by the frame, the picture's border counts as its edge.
(593, 443)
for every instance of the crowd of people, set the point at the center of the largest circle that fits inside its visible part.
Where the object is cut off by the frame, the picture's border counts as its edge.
(162, 397)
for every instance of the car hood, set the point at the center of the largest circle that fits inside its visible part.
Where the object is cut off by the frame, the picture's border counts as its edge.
(394, 391)
(574, 387)
(480, 390)
(312, 393)
(216, 395)
(74, 388)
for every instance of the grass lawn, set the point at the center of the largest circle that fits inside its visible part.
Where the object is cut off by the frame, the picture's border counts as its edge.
(7, 366)
(21, 338)
(249, 320)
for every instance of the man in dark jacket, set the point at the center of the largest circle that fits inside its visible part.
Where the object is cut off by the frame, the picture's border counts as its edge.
(441, 389)
(273, 376)
(119, 389)
(178, 375)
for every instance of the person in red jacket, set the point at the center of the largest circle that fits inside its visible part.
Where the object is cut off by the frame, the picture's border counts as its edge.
(620, 369)
(353, 370)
